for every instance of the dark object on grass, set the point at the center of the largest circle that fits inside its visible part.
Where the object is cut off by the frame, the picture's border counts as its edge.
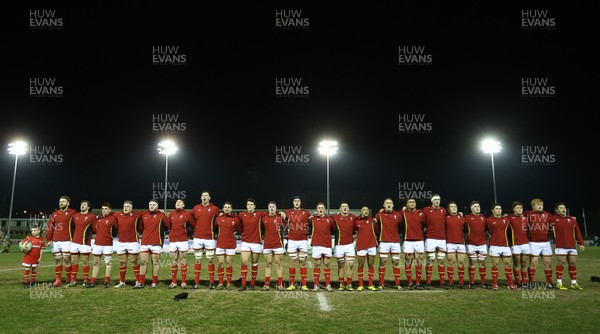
(180, 296)
(595, 279)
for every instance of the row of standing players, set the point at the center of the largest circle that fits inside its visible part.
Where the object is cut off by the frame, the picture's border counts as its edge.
(434, 232)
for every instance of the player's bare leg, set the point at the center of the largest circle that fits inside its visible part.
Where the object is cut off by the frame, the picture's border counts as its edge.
(174, 262)
(141, 277)
(72, 281)
(229, 269)
(341, 263)
(85, 259)
(220, 270)
(382, 263)
(461, 257)
(95, 268)
(349, 272)
(547, 260)
(268, 264)
(396, 263)
(254, 270)
(572, 261)
(245, 256)
(155, 268)
(210, 258)
(279, 267)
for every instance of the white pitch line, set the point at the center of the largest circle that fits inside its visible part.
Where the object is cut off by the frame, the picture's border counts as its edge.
(323, 303)
(13, 269)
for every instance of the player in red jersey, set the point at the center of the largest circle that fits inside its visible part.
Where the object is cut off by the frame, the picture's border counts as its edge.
(435, 238)
(103, 228)
(179, 219)
(58, 236)
(320, 230)
(520, 247)
(498, 227)
(539, 241)
(251, 241)
(297, 241)
(272, 228)
(476, 244)
(344, 245)
(366, 246)
(389, 222)
(81, 244)
(456, 224)
(153, 226)
(567, 236)
(204, 241)
(414, 247)
(128, 247)
(31, 259)
(227, 224)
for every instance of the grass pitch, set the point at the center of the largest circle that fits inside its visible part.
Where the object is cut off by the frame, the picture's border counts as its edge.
(99, 310)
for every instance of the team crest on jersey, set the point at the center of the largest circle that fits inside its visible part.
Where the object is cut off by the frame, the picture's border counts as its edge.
(180, 216)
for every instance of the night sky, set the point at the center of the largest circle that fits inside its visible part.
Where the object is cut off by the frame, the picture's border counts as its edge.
(95, 86)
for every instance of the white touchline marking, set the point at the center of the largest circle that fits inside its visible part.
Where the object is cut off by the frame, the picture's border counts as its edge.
(13, 269)
(323, 303)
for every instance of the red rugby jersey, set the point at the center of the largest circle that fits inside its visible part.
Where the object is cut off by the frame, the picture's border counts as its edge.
(475, 229)
(389, 225)
(566, 232)
(272, 227)
(103, 228)
(180, 219)
(344, 228)
(498, 228)
(435, 222)
(413, 224)
(153, 227)
(539, 225)
(366, 232)
(82, 228)
(60, 226)
(297, 224)
(127, 226)
(321, 228)
(251, 226)
(205, 221)
(455, 229)
(227, 225)
(38, 245)
(518, 226)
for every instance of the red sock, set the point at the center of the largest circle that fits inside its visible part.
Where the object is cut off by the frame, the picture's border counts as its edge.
(211, 273)
(360, 273)
(371, 274)
(141, 279)
(229, 274)
(267, 280)
(573, 272)
(74, 270)
(381, 275)
(441, 273)
(482, 274)
(532, 274)
(397, 275)
(26, 276)
(408, 272)
(279, 281)
(316, 275)
(244, 274)
(517, 276)
(559, 271)
(122, 272)
(419, 273)
(292, 272)
(495, 276)
(253, 273)
(197, 268)
(524, 276)
(183, 273)
(106, 279)
(461, 275)
(220, 272)
(33, 275)
(136, 270)
(349, 281)
(154, 279)
(471, 275)
(509, 276)
(86, 273)
(548, 273)
(68, 272)
(303, 275)
(93, 280)
(428, 273)
(450, 275)
(327, 276)
(173, 274)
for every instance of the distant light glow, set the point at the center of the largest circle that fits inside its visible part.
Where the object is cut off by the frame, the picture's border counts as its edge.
(328, 147)
(18, 147)
(491, 146)
(167, 147)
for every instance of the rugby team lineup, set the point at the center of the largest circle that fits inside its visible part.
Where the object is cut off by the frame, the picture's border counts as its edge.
(434, 235)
